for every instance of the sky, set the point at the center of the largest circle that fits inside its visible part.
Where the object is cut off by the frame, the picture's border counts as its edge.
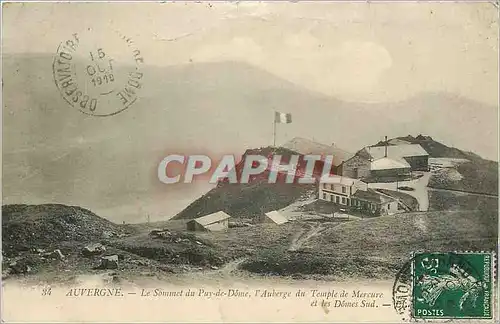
(217, 70)
(361, 52)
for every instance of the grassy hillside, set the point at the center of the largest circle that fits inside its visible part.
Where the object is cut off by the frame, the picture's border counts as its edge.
(445, 200)
(394, 237)
(378, 247)
(245, 200)
(479, 176)
(30, 234)
(248, 200)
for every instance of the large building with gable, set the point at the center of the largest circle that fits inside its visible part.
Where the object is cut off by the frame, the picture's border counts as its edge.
(389, 160)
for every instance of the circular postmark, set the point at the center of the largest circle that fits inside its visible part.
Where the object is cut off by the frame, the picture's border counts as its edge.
(402, 291)
(442, 281)
(99, 73)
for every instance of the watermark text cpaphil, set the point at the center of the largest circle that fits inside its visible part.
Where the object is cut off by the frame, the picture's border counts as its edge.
(303, 169)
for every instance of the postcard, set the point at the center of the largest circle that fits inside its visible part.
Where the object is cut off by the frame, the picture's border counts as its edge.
(263, 162)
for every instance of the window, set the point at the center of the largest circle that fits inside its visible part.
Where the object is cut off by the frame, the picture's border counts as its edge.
(343, 200)
(324, 185)
(337, 199)
(331, 198)
(324, 196)
(343, 189)
(388, 206)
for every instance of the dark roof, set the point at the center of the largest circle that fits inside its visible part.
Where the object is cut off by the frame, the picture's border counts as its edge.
(372, 196)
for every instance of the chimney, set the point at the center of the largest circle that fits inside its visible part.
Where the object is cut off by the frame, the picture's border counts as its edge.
(385, 155)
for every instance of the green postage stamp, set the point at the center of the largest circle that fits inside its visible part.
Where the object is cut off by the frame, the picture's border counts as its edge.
(452, 285)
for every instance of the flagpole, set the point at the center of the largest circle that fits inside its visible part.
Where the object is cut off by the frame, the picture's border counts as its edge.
(274, 132)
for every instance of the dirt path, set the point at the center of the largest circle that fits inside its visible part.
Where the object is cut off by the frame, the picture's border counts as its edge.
(230, 267)
(419, 185)
(304, 235)
(291, 211)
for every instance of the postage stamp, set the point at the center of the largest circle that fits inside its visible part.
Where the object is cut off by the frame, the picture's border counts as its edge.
(98, 73)
(452, 285)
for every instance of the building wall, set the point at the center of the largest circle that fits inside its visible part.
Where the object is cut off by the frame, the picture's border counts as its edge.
(336, 188)
(194, 226)
(218, 226)
(358, 204)
(366, 206)
(418, 163)
(356, 168)
(265, 219)
(333, 197)
(389, 208)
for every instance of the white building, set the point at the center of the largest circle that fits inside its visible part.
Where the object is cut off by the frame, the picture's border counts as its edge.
(339, 189)
(355, 194)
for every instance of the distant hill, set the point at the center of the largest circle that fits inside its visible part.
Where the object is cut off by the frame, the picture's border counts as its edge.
(434, 148)
(305, 146)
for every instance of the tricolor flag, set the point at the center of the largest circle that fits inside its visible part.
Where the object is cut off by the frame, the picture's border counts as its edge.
(282, 118)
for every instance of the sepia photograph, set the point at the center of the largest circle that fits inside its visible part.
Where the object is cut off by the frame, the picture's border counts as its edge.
(244, 161)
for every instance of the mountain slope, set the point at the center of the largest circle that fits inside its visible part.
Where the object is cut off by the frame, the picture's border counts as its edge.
(252, 199)
(306, 146)
(53, 153)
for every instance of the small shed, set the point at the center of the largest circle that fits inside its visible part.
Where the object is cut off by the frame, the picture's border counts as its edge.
(218, 221)
(274, 217)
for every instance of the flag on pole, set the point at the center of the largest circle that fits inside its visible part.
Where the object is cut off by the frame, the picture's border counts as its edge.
(282, 118)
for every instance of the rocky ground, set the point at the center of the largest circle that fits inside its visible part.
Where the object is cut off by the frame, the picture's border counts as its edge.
(57, 240)
(59, 243)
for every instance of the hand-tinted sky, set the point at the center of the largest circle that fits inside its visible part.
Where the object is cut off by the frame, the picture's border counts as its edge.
(349, 74)
(370, 52)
